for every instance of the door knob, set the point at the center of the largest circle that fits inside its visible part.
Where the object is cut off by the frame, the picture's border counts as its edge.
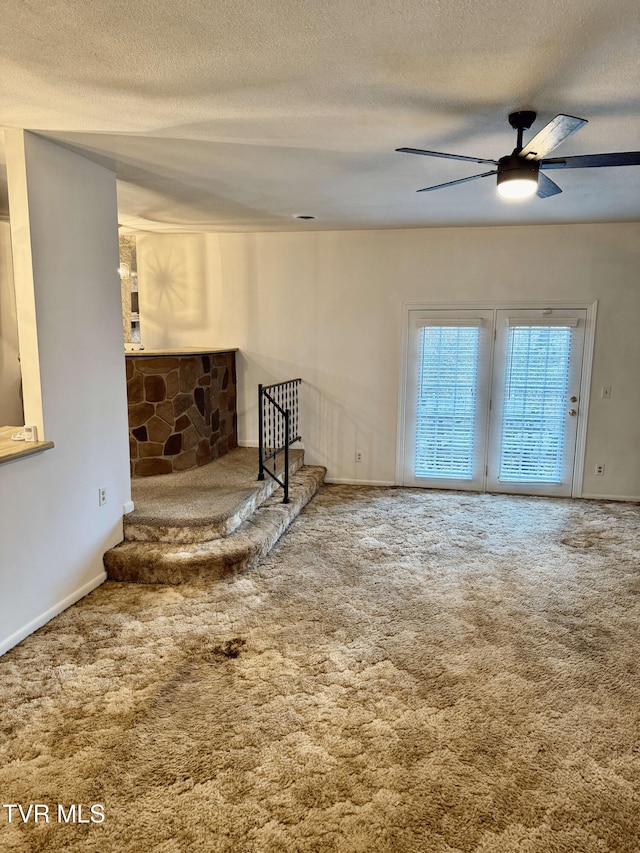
(574, 399)
(573, 412)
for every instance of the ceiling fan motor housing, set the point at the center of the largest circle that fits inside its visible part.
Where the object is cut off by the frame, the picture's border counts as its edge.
(515, 168)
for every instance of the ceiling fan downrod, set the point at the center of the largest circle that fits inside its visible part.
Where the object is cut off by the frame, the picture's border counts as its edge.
(521, 121)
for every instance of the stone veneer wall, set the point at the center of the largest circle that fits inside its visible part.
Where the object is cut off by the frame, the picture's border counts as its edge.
(182, 410)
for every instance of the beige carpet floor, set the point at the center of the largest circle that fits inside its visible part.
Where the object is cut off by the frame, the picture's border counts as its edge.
(407, 671)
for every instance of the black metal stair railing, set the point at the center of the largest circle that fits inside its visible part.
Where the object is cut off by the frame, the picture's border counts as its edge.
(278, 428)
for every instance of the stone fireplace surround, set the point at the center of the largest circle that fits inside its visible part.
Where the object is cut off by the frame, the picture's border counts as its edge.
(182, 408)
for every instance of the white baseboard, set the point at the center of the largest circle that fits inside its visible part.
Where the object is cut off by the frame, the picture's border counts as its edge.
(340, 481)
(48, 615)
(623, 498)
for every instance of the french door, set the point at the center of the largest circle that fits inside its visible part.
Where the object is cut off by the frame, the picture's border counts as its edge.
(492, 399)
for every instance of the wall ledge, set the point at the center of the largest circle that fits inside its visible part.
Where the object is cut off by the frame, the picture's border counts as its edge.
(154, 353)
(11, 450)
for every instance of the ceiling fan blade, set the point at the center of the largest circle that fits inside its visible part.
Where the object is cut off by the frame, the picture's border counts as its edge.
(447, 156)
(551, 135)
(591, 161)
(546, 186)
(453, 183)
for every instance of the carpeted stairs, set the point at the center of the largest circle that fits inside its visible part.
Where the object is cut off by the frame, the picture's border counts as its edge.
(208, 522)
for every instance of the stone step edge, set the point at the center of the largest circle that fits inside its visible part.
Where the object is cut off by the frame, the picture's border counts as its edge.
(162, 563)
(215, 527)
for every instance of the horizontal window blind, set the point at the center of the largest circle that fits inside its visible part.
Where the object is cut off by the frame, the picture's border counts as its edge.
(548, 321)
(535, 403)
(446, 404)
(450, 323)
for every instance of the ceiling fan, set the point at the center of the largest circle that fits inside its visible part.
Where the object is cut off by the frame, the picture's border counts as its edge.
(520, 173)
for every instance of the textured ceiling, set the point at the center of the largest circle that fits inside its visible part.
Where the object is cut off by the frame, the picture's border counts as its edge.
(235, 116)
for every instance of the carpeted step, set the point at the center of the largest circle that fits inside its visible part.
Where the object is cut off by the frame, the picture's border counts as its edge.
(203, 503)
(160, 562)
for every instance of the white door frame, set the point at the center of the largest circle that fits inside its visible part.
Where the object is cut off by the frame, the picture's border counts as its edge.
(589, 338)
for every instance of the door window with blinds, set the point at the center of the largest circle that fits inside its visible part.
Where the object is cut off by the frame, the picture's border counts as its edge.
(449, 356)
(492, 399)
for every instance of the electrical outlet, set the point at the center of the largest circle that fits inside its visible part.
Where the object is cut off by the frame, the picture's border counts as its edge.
(359, 456)
(606, 392)
(599, 470)
(102, 495)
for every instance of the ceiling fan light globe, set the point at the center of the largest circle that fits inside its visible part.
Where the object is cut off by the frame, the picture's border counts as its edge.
(517, 177)
(518, 188)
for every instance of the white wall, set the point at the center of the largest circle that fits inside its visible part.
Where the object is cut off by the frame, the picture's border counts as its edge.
(10, 398)
(178, 305)
(53, 534)
(327, 306)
